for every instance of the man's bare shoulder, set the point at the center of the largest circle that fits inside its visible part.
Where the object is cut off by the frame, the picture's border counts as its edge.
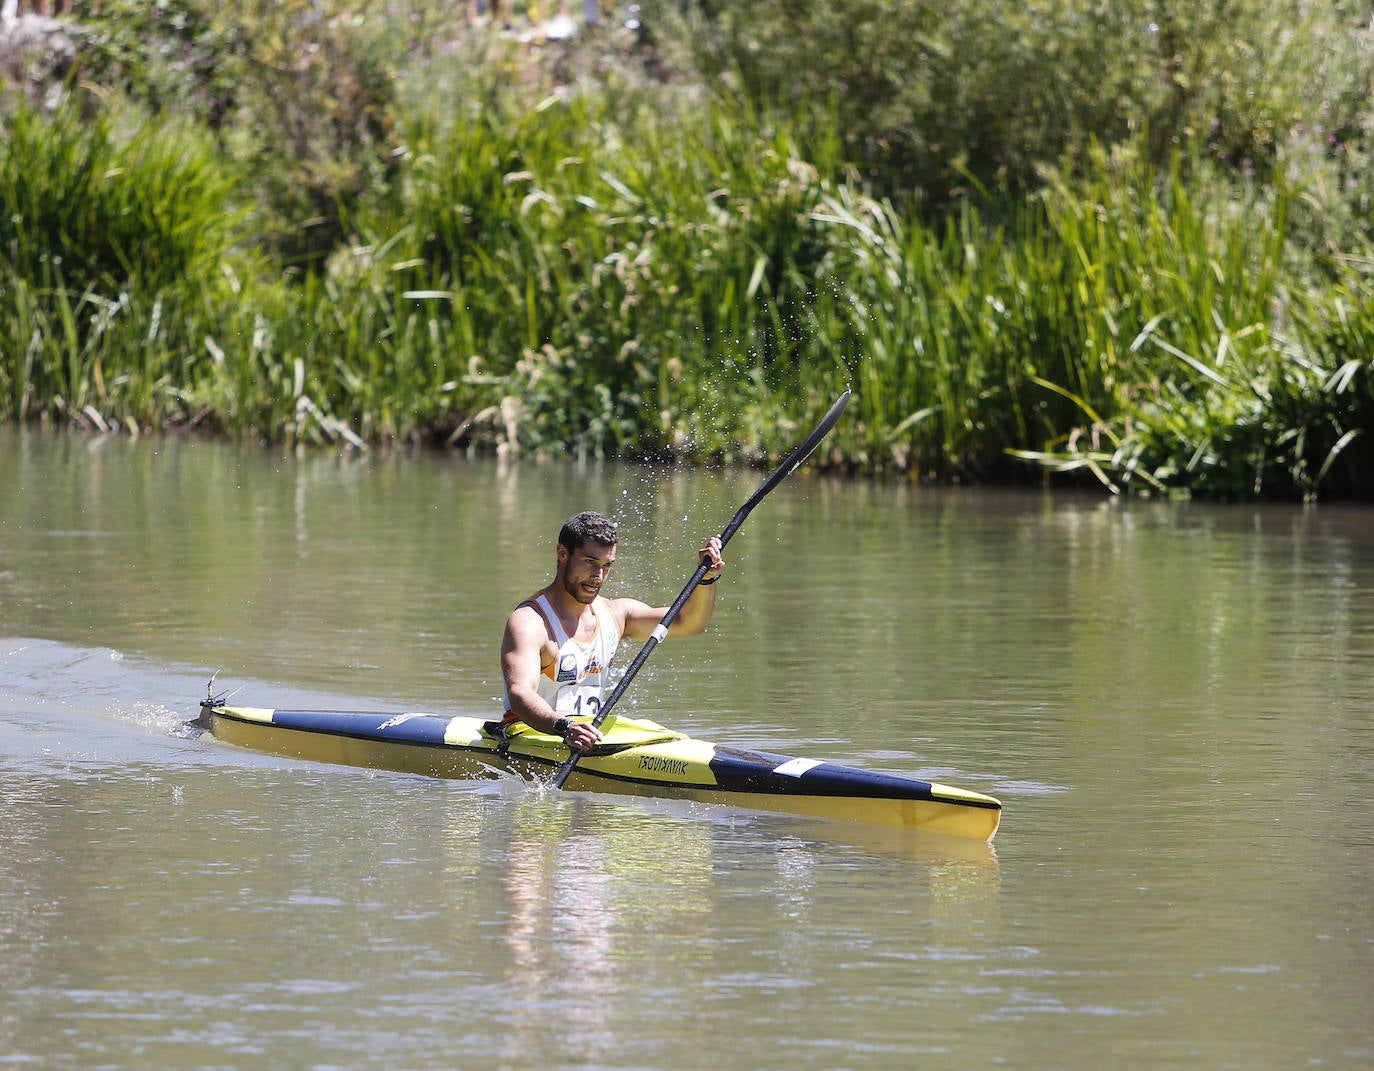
(636, 619)
(527, 623)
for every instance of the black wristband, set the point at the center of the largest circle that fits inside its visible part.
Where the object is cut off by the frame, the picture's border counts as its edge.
(561, 727)
(705, 580)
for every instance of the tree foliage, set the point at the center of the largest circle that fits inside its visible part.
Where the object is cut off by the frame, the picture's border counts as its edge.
(930, 94)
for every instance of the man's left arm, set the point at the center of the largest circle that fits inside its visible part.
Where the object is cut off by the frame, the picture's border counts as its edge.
(641, 619)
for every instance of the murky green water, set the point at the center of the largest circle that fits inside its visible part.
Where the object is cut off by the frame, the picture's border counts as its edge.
(1173, 701)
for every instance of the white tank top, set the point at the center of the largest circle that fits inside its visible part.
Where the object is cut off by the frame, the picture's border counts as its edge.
(576, 681)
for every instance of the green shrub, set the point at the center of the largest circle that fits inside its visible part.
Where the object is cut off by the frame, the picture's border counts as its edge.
(930, 94)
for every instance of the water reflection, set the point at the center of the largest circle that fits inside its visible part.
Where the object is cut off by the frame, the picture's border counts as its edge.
(606, 906)
(558, 933)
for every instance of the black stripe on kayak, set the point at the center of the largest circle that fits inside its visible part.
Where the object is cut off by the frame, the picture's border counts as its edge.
(753, 771)
(424, 729)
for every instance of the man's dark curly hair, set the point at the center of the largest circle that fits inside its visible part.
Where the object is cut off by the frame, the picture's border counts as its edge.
(587, 527)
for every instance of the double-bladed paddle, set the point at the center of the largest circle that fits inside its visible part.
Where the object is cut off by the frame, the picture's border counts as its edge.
(781, 473)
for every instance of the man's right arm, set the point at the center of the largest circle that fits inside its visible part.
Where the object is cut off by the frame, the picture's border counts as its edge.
(522, 650)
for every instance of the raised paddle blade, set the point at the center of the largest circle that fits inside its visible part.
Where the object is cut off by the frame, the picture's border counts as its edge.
(789, 465)
(793, 460)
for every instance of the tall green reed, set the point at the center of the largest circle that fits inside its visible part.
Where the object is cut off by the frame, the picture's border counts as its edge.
(109, 235)
(1167, 342)
(620, 271)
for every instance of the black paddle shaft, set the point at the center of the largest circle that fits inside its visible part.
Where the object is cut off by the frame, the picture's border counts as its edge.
(794, 459)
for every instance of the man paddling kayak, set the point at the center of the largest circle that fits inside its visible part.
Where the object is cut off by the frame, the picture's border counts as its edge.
(558, 645)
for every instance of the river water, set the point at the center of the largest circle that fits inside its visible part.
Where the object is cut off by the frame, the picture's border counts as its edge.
(1172, 700)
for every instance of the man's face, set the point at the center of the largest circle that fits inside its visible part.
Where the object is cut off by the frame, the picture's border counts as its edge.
(584, 570)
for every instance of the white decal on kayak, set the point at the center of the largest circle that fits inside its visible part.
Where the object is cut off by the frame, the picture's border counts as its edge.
(795, 767)
(400, 719)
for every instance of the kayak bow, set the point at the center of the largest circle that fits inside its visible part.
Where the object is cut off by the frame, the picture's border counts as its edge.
(634, 758)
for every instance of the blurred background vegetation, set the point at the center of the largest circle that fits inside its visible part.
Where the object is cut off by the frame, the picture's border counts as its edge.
(1128, 242)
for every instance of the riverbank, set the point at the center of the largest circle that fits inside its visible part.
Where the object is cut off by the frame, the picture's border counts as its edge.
(618, 260)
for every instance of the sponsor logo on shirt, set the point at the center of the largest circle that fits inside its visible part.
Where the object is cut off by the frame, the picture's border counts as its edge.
(570, 673)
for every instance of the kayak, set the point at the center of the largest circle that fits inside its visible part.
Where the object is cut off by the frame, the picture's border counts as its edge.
(635, 758)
